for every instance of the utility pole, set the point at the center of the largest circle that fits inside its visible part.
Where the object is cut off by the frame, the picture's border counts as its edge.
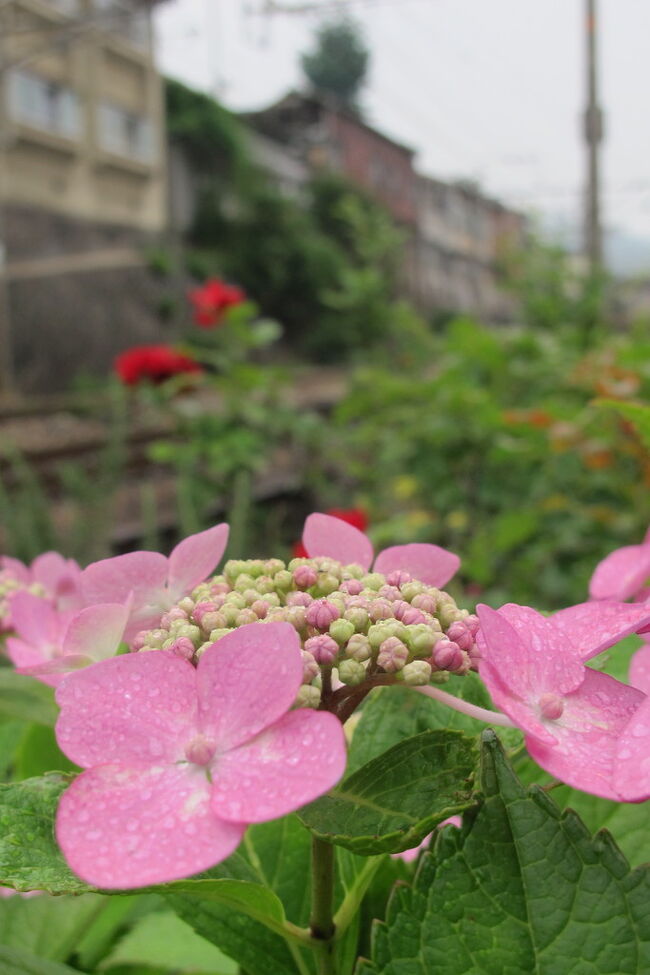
(593, 244)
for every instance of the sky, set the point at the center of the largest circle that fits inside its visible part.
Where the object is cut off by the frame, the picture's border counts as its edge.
(490, 90)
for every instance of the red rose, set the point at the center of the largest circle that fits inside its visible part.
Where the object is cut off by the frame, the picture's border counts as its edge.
(212, 300)
(154, 363)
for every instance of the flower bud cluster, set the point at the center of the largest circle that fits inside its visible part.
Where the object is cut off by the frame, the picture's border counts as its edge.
(360, 623)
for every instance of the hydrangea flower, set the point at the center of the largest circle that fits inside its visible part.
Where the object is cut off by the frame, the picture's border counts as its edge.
(154, 581)
(49, 643)
(325, 535)
(179, 759)
(572, 716)
(50, 575)
(623, 574)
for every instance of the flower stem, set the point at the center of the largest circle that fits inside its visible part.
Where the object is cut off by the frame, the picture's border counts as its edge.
(471, 710)
(321, 922)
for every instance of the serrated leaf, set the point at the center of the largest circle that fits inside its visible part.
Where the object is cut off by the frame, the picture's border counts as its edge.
(391, 803)
(26, 698)
(162, 940)
(521, 888)
(29, 856)
(392, 714)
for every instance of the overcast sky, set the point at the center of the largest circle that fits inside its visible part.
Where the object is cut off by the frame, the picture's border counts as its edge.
(492, 90)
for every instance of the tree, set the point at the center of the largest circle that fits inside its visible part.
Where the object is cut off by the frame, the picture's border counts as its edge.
(339, 63)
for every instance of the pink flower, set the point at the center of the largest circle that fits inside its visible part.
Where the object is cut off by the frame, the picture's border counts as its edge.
(325, 535)
(623, 574)
(155, 582)
(640, 669)
(572, 715)
(48, 644)
(55, 577)
(180, 759)
(409, 855)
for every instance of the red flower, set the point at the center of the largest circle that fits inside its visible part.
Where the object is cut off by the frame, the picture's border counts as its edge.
(212, 300)
(154, 363)
(353, 516)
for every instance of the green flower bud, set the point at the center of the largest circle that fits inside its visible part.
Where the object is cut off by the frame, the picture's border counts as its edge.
(376, 635)
(416, 674)
(358, 617)
(421, 639)
(187, 605)
(230, 614)
(190, 631)
(264, 584)
(273, 566)
(325, 584)
(236, 599)
(255, 568)
(244, 582)
(374, 581)
(351, 672)
(156, 638)
(246, 616)
(341, 631)
(283, 580)
(411, 589)
(308, 697)
(358, 647)
(353, 571)
(217, 634)
(234, 568)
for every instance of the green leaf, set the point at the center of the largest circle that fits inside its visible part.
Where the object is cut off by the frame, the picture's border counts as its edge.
(392, 714)
(391, 803)
(26, 698)
(638, 414)
(521, 888)
(29, 856)
(16, 961)
(48, 926)
(39, 753)
(11, 733)
(162, 940)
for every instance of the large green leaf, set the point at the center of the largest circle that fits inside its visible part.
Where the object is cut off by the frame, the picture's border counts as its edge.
(391, 803)
(162, 940)
(17, 961)
(48, 926)
(39, 753)
(26, 698)
(392, 714)
(522, 888)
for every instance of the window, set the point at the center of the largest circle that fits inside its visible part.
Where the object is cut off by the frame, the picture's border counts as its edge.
(44, 104)
(125, 18)
(124, 133)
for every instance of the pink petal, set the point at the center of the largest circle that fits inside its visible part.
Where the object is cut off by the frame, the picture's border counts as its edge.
(593, 719)
(327, 536)
(144, 574)
(23, 655)
(60, 577)
(526, 652)
(294, 761)
(36, 620)
(247, 681)
(640, 669)
(56, 668)
(120, 828)
(593, 627)
(621, 574)
(632, 770)
(518, 710)
(428, 563)
(195, 558)
(16, 569)
(96, 631)
(137, 709)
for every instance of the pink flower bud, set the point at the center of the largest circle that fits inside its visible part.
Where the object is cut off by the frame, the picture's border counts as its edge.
(321, 613)
(425, 601)
(299, 599)
(305, 576)
(310, 668)
(380, 609)
(358, 602)
(219, 588)
(393, 655)
(352, 586)
(400, 606)
(260, 607)
(412, 616)
(389, 592)
(460, 633)
(447, 655)
(140, 640)
(183, 647)
(323, 648)
(201, 609)
(398, 578)
(551, 706)
(472, 622)
(200, 750)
